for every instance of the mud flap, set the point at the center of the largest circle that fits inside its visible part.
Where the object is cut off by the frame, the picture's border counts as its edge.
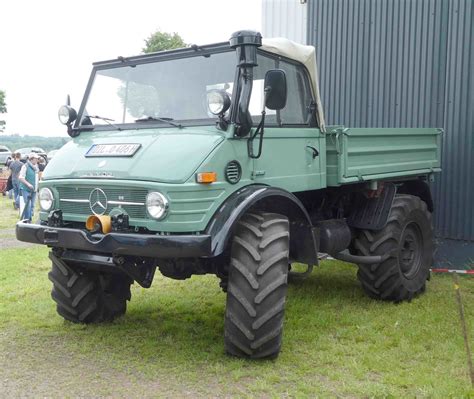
(372, 213)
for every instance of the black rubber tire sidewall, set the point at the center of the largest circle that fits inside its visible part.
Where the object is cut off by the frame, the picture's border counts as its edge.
(418, 280)
(386, 280)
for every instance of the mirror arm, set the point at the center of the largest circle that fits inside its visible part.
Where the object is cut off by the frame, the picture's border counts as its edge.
(259, 130)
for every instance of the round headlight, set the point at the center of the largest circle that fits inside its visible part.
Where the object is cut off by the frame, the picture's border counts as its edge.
(156, 205)
(46, 199)
(67, 114)
(218, 101)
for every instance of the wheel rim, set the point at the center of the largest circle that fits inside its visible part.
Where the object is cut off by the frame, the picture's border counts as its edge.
(410, 254)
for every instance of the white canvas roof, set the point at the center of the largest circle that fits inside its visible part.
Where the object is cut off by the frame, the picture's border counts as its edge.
(301, 53)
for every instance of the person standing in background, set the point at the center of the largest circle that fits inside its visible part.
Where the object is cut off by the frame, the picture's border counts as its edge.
(15, 167)
(41, 165)
(9, 189)
(29, 185)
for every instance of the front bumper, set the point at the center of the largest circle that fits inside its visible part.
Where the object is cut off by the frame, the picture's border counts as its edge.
(146, 245)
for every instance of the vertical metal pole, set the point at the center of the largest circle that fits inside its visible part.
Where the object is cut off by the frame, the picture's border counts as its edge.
(464, 328)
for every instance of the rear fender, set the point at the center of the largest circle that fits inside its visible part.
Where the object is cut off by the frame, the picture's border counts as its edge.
(303, 239)
(421, 189)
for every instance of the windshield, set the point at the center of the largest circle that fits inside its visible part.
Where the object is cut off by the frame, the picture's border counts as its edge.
(175, 89)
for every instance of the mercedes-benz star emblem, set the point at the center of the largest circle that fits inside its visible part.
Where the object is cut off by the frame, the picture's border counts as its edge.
(98, 201)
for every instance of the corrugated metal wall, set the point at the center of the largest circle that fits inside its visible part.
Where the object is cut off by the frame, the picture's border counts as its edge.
(456, 190)
(405, 63)
(287, 18)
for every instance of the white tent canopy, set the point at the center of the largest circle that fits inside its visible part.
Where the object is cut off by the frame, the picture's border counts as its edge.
(303, 54)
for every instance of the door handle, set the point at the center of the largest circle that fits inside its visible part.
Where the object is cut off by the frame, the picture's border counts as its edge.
(315, 151)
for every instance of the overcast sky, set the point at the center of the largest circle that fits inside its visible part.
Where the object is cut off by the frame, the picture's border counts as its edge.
(47, 47)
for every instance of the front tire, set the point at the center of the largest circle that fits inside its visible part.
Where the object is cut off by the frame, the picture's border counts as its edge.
(88, 296)
(257, 286)
(406, 244)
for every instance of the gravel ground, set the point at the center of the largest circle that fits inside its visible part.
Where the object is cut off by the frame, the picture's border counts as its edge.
(8, 240)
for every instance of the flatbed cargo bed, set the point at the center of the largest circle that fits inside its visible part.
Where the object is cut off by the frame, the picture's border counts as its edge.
(362, 154)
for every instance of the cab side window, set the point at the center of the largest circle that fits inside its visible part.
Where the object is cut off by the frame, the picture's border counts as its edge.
(296, 111)
(299, 95)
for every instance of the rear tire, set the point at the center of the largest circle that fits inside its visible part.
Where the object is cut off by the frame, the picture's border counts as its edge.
(87, 296)
(406, 244)
(257, 286)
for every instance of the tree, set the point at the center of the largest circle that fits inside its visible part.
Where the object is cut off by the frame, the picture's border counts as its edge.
(3, 108)
(143, 100)
(160, 41)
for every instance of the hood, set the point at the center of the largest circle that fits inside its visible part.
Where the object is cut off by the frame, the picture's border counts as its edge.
(168, 155)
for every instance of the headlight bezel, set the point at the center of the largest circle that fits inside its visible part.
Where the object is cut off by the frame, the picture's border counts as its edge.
(66, 114)
(45, 191)
(220, 97)
(154, 199)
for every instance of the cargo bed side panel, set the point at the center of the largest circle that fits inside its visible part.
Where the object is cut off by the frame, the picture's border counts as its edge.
(362, 154)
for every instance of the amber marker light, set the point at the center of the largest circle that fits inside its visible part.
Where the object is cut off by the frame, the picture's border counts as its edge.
(206, 177)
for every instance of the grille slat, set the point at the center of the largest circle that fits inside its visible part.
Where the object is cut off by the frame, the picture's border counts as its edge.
(113, 194)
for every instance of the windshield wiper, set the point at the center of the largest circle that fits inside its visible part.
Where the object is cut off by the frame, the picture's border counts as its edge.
(106, 120)
(165, 120)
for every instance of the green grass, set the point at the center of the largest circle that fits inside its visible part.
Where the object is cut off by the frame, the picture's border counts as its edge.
(8, 216)
(337, 342)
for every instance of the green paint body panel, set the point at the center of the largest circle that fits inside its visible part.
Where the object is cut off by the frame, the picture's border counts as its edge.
(170, 157)
(287, 162)
(364, 154)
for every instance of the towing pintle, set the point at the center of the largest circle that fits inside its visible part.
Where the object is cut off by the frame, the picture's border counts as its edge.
(245, 42)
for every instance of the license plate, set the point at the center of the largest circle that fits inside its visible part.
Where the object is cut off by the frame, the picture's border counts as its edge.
(113, 150)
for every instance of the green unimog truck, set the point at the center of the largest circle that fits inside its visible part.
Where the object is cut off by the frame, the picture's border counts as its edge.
(216, 159)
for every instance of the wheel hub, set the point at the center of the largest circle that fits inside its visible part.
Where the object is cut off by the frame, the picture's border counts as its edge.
(411, 244)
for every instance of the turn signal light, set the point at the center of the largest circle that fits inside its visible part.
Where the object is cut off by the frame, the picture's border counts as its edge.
(206, 177)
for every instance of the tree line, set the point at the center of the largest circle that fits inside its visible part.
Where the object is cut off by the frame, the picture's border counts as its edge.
(46, 143)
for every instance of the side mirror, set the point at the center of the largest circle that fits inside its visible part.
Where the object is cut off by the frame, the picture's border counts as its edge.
(275, 89)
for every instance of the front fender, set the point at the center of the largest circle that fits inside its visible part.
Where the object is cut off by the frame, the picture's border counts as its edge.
(303, 237)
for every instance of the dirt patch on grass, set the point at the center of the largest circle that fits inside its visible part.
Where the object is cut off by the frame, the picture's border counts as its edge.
(8, 240)
(12, 242)
(47, 367)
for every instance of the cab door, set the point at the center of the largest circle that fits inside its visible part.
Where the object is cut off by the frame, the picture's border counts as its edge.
(293, 149)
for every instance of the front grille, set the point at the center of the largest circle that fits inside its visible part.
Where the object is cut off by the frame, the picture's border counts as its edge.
(68, 195)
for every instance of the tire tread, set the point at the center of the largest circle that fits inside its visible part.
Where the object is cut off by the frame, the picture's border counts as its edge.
(258, 279)
(81, 296)
(384, 280)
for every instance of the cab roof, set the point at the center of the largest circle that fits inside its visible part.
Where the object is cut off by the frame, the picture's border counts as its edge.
(306, 55)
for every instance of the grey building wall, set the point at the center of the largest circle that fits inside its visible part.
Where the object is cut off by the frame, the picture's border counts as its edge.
(285, 18)
(407, 63)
